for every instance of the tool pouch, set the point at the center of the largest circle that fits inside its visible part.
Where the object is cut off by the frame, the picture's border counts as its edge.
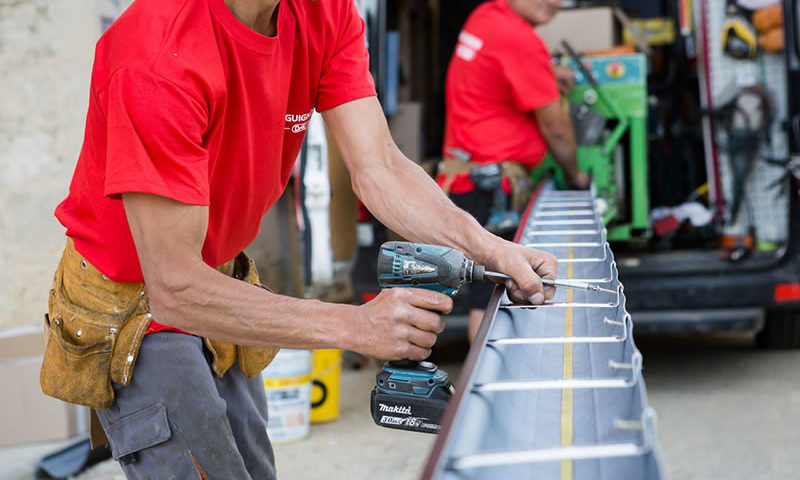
(522, 186)
(91, 322)
(76, 369)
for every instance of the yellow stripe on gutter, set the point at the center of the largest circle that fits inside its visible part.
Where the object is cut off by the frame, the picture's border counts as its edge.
(567, 427)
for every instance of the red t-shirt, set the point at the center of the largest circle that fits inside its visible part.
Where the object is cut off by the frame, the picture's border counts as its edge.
(499, 74)
(188, 103)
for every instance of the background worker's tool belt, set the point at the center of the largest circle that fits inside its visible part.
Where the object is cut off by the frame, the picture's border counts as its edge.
(521, 183)
(95, 327)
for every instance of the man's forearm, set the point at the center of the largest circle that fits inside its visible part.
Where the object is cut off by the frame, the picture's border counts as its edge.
(402, 196)
(205, 302)
(562, 146)
(556, 129)
(414, 206)
(396, 190)
(188, 294)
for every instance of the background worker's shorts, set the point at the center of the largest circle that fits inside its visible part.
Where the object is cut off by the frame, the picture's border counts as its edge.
(479, 205)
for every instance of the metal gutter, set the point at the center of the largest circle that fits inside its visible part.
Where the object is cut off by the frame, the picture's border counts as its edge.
(553, 391)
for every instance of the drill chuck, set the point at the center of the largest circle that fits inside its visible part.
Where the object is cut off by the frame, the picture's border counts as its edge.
(477, 273)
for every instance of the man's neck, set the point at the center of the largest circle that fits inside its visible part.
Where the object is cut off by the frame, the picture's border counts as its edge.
(257, 15)
(520, 8)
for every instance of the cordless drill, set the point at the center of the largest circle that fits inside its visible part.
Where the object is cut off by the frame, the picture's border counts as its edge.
(412, 395)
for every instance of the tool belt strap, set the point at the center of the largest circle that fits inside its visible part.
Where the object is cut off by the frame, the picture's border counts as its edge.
(515, 172)
(522, 186)
(452, 167)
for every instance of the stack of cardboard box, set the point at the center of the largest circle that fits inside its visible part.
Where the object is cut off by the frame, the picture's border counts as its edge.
(26, 414)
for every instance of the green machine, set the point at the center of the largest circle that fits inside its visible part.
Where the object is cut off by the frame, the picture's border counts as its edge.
(609, 110)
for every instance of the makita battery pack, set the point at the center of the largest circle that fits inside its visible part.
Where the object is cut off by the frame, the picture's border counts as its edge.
(410, 396)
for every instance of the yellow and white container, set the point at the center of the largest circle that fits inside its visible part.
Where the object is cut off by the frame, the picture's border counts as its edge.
(326, 375)
(287, 381)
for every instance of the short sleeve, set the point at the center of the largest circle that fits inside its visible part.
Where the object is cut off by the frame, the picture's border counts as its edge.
(345, 74)
(154, 139)
(526, 64)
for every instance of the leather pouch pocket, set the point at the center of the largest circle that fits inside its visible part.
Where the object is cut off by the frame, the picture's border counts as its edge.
(78, 356)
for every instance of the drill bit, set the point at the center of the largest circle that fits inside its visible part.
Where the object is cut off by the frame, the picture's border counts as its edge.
(556, 283)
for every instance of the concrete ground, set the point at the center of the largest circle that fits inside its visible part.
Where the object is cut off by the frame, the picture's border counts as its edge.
(726, 411)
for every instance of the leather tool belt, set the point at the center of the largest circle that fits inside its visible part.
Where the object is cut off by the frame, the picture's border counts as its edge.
(95, 327)
(521, 184)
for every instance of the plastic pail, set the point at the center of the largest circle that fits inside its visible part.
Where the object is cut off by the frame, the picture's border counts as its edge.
(287, 381)
(326, 374)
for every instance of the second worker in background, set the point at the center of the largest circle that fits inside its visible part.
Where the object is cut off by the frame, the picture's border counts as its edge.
(502, 106)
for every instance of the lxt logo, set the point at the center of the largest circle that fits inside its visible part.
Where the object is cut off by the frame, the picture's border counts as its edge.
(298, 123)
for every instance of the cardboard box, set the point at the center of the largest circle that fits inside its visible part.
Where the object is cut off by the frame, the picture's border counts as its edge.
(406, 128)
(343, 207)
(586, 29)
(276, 248)
(26, 414)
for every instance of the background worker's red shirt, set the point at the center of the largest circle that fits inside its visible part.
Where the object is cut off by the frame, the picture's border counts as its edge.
(499, 74)
(188, 103)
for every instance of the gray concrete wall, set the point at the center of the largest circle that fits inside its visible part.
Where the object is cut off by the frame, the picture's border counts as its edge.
(46, 50)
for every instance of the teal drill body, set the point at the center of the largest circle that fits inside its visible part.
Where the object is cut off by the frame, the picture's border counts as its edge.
(434, 267)
(412, 395)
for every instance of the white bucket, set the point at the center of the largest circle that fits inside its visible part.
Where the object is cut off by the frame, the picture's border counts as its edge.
(287, 381)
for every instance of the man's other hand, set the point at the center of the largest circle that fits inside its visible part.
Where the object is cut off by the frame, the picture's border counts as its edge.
(565, 79)
(526, 266)
(401, 323)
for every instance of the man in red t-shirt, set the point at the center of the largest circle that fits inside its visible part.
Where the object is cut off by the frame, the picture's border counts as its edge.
(197, 113)
(502, 104)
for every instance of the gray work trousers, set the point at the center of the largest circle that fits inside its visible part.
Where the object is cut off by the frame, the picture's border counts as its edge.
(178, 420)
